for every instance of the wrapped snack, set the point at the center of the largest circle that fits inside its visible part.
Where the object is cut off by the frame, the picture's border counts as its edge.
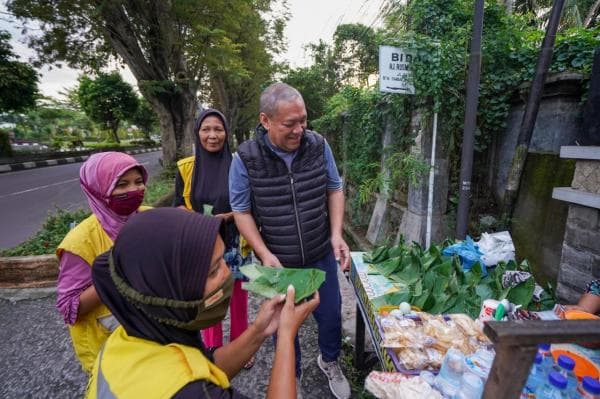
(434, 357)
(445, 335)
(469, 327)
(412, 358)
(406, 338)
(396, 386)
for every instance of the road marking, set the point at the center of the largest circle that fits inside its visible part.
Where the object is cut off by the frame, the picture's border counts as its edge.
(39, 188)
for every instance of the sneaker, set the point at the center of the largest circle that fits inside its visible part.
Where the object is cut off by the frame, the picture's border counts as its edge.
(298, 387)
(338, 384)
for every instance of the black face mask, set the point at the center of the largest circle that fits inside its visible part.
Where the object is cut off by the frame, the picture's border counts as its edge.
(210, 310)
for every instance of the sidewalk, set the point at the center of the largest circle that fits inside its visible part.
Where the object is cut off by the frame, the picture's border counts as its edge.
(62, 161)
(38, 362)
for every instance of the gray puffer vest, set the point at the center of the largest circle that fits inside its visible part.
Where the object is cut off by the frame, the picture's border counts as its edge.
(289, 206)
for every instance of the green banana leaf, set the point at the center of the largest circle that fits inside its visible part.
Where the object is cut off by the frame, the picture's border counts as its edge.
(270, 281)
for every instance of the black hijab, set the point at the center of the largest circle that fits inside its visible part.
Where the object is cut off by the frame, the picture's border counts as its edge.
(210, 181)
(166, 253)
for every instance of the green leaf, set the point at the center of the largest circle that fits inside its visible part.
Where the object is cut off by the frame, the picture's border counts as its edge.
(429, 280)
(393, 298)
(420, 300)
(271, 281)
(473, 276)
(396, 251)
(445, 268)
(521, 294)
(388, 267)
(484, 291)
(417, 289)
(379, 254)
(439, 303)
(410, 274)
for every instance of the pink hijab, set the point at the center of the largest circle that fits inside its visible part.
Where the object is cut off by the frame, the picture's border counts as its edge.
(98, 177)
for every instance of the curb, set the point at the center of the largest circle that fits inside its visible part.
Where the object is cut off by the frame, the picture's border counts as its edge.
(13, 167)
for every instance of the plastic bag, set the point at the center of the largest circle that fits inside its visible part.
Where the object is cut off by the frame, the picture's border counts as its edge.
(496, 247)
(468, 253)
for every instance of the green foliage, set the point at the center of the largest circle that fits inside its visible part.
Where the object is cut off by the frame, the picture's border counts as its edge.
(107, 100)
(159, 186)
(270, 281)
(437, 283)
(18, 80)
(403, 167)
(52, 121)
(438, 32)
(145, 118)
(174, 49)
(45, 241)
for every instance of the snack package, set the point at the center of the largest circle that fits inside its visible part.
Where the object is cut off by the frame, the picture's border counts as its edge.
(412, 358)
(397, 386)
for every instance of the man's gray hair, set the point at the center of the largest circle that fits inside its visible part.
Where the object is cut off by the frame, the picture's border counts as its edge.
(276, 93)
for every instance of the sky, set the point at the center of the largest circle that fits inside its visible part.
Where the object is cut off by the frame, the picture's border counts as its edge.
(310, 21)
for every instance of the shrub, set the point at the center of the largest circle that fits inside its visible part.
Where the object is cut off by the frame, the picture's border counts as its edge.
(45, 241)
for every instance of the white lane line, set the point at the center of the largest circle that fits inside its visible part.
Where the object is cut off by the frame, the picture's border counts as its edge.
(39, 188)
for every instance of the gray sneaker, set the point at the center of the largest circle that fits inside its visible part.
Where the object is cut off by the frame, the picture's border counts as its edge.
(298, 387)
(338, 384)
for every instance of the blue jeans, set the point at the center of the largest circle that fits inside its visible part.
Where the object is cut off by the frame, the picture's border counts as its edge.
(328, 314)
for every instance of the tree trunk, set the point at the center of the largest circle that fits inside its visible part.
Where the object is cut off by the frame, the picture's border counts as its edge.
(176, 113)
(592, 14)
(114, 128)
(162, 74)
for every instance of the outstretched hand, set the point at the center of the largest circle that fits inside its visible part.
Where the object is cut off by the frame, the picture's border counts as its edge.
(292, 316)
(267, 319)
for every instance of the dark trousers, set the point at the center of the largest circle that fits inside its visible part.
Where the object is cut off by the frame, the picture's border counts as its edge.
(328, 314)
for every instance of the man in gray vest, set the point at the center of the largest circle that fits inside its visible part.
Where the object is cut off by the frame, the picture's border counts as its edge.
(287, 201)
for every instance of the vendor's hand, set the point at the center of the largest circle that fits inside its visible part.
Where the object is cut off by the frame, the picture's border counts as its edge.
(341, 251)
(267, 319)
(270, 260)
(292, 316)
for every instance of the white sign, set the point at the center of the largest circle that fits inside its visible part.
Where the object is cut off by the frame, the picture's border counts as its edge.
(394, 70)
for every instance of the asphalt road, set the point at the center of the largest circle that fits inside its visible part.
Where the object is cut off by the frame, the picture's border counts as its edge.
(27, 196)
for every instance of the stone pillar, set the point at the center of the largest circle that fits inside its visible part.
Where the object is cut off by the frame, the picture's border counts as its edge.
(378, 230)
(580, 259)
(414, 220)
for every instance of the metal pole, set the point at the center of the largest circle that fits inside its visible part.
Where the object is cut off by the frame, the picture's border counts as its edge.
(431, 181)
(466, 164)
(531, 110)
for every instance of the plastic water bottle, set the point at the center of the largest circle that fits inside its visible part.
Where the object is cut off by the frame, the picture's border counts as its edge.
(555, 388)
(565, 366)
(471, 387)
(537, 378)
(547, 359)
(590, 388)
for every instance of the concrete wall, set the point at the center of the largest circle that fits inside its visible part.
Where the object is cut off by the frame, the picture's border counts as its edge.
(558, 124)
(538, 222)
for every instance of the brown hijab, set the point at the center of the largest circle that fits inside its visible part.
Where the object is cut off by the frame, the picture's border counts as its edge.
(163, 253)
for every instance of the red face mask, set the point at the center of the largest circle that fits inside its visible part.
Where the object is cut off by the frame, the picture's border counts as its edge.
(127, 203)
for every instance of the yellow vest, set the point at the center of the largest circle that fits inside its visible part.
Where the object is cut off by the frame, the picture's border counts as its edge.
(186, 171)
(88, 240)
(130, 368)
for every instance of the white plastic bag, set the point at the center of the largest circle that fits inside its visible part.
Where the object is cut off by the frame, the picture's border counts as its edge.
(496, 247)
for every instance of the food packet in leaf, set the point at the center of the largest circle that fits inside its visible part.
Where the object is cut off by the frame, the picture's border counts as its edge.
(271, 281)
